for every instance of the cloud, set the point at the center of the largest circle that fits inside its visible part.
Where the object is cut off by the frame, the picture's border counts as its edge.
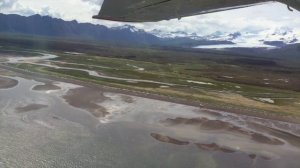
(46, 11)
(13, 6)
(253, 20)
(7, 3)
(96, 2)
(262, 17)
(81, 10)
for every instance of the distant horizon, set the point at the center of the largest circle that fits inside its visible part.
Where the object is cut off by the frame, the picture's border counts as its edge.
(284, 34)
(271, 16)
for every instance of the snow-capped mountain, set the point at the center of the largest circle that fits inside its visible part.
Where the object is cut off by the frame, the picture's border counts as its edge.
(127, 34)
(284, 35)
(218, 35)
(130, 28)
(268, 39)
(131, 35)
(188, 39)
(176, 34)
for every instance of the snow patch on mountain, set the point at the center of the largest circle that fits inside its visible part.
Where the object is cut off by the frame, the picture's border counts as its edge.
(130, 28)
(176, 34)
(269, 38)
(283, 34)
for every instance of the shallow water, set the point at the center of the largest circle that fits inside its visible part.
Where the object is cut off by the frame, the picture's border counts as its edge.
(138, 132)
(96, 74)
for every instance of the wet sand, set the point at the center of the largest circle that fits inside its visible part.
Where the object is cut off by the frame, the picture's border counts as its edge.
(214, 147)
(87, 99)
(207, 147)
(127, 99)
(166, 139)
(6, 83)
(238, 111)
(3, 59)
(204, 124)
(141, 129)
(46, 87)
(30, 107)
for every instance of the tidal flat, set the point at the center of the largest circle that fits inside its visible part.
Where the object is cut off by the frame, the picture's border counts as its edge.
(65, 110)
(82, 126)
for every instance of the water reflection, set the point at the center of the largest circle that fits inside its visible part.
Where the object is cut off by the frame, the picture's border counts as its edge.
(54, 125)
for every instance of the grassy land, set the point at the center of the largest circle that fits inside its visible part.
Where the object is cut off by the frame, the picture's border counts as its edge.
(255, 84)
(217, 92)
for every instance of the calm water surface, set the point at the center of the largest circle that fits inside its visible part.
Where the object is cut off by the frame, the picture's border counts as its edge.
(60, 135)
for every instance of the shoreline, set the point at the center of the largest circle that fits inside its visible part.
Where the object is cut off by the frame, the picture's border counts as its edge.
(234, 110)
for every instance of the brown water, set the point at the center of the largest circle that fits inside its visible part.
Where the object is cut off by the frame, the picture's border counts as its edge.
(75, 126)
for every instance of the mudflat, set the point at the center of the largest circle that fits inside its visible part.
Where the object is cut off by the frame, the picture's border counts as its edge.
(30, 107)
(167, 139)
(6, 83)
(46, 87)
(135, 129)
(96, 123)
(87, 99)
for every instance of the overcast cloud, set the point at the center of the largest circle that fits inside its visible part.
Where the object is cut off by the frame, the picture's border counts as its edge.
(262, 18)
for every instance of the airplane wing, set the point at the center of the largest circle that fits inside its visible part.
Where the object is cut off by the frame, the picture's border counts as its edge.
(157, 10)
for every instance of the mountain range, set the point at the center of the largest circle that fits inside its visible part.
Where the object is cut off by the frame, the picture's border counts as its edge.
(271, 38)
(127, 34)
(52, 27)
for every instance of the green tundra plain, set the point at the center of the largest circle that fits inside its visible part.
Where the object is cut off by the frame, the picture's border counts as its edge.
(259, 86)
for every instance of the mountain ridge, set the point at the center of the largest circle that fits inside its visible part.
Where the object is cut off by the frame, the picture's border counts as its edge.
(53, 27)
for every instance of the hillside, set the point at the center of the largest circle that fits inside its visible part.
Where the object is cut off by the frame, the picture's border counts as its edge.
(51, 27)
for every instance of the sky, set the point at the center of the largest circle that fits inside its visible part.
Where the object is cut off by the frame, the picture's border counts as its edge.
(259, 19)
